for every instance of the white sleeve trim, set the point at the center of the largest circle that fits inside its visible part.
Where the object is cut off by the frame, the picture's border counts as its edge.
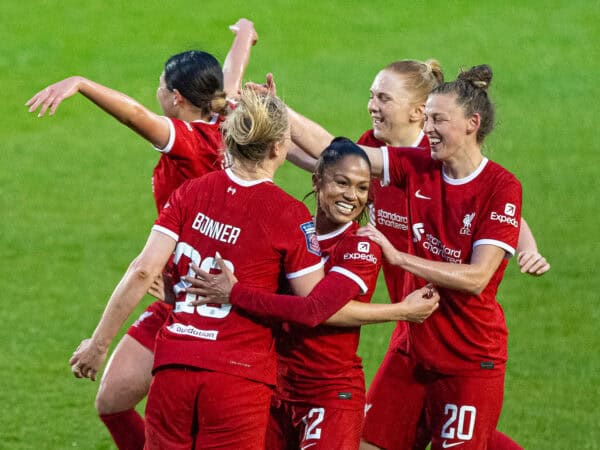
(504, 246)
(385, 156)
(167, 148)
(304, 271)
(166, 231)
(358, 280)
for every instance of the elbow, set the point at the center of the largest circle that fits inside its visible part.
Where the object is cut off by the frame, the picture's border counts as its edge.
(141, 271)
(476, 285)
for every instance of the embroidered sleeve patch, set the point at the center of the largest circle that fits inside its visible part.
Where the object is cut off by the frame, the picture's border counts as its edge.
(312, 243)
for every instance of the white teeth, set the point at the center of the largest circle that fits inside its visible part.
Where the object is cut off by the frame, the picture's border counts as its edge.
(345, 206)
(434, 141)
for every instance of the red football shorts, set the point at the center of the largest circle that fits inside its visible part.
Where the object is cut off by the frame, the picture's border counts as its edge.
(406, 406)
(294, 426)
(145, 328)
(193, 408)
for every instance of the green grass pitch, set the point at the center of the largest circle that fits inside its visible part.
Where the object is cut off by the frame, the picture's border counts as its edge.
(75, 188)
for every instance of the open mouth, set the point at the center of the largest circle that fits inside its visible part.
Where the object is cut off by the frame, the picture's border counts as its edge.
(345, 208)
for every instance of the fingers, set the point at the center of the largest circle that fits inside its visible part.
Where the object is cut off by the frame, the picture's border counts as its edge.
(533, 263)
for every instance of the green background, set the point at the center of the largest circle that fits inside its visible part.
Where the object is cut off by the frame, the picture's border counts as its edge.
(75, 188)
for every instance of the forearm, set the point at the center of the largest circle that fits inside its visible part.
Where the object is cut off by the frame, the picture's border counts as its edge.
(308, 135)
(236, 61)
(126, 110)
(328, 296)
(355, 314)
(471, 278)
(301, 159)
(124, 299)
(526, 239)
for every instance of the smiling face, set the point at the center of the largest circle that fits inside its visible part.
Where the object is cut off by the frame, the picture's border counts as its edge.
(447, 128)
(390, 106)
(342, 192)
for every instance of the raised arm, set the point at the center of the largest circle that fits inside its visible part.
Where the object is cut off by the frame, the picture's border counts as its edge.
(91, 353)
(126, 110)
(238, 56)
(529, 259)
(472, 277)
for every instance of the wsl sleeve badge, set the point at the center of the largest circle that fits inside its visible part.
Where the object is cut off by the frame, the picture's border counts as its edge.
(310, 234)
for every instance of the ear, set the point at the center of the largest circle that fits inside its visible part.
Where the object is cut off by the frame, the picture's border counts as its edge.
(418, 113)
(315, 182)
(179, 99)
(473, 123)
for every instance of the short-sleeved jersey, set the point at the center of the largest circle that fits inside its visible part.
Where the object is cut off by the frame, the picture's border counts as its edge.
(320, 365)
(389, 213)
(449, 218)
(194, 149)
(259, 231)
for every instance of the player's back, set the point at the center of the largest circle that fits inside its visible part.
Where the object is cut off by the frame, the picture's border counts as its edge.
(257, 230)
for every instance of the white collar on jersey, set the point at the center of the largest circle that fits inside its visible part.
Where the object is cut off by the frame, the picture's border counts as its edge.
(245, 183)
(212, 120)
(419, 139)
(465, 180)
(334, 233)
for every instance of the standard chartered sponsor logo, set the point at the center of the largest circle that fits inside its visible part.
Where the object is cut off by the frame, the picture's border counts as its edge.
(437, 247)
(189, 330)
(392, 220)
(504, 219)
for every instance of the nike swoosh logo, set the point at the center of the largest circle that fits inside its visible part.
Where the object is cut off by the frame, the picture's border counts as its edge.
(453, 444)
(419, 195)
(310, 445)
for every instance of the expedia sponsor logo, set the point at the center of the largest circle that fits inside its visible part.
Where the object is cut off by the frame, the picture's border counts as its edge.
(355, 256)
(510, 209)
(363, 247)
(504, 219)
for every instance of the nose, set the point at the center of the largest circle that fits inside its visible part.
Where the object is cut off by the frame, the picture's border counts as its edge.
(372, 105)
(350, 193)
(428, 125)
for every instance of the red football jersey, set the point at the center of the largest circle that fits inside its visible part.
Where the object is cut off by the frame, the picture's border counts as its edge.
(194, 149)
(449, 218)
(389, 213)
(320, 365)
(260, 231)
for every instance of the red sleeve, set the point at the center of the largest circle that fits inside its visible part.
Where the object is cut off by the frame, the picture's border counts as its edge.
(327, 297)
(500, 218)
(171, 217)
(359, 260)
(296, 238)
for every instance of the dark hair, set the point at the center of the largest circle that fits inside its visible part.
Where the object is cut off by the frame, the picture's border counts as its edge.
(471, 88)
(254, 126)
(338, 149)
(199, 78)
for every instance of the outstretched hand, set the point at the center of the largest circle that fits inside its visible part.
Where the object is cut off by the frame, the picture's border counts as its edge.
(533, 263)
(53, 95)
(211, 288)
(420, 304)
(268, 88)
(245, 26)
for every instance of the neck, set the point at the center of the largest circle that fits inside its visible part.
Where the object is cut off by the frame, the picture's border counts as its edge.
(253, 170)
(189, 113)
(463, 163)
(405, 137)
(325, 226)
